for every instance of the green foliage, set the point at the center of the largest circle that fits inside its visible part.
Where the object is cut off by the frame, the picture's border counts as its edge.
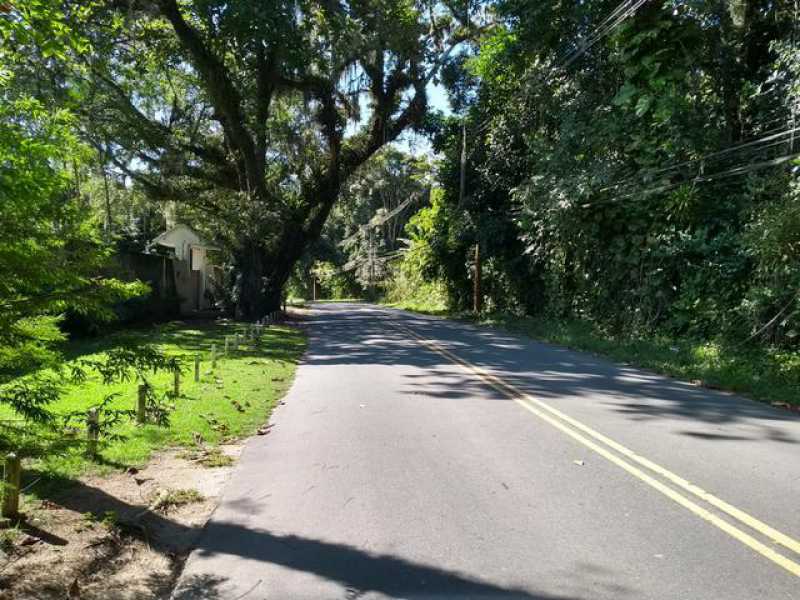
(363, 235)
(251, 115)
(256, 376)
(33, 397)
(643, 185)
(51, 257)
(334, 283)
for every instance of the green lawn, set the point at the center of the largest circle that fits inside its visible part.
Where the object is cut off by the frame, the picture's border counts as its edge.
(255, 377)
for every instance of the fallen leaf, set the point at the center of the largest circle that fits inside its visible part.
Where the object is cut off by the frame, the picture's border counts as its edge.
(580, 463)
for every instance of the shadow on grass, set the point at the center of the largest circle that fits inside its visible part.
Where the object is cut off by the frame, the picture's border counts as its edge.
(190, 336)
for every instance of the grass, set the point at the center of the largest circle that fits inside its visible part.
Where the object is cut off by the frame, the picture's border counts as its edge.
(765, 374)
(168, 499)
(423, 306)
(230, 402)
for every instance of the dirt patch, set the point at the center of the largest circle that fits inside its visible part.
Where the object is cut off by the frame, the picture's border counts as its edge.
(124, 536)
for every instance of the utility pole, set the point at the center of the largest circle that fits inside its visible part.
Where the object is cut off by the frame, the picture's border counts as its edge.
(462, 182)
(477, 295)
(371, 259)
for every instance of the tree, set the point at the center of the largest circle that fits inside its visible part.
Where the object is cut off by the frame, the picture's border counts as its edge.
(638, 175)
(51, 253)
(257, 112)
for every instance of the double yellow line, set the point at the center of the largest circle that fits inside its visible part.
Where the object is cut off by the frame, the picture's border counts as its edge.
(627, 459)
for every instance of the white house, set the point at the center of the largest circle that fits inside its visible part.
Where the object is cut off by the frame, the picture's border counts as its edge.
(194, 274)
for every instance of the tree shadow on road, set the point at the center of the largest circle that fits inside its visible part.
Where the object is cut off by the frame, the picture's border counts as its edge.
(363, 335)
(356, 570)
(360, 572)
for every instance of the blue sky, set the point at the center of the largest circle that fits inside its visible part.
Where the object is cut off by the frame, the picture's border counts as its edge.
(416, 144)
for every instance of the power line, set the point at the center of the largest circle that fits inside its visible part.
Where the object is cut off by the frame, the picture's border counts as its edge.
(758, 144)
(627, 9)
(602, 31)
(701, 178)
(391, 214)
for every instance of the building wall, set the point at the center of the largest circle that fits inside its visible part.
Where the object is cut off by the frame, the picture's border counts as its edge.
(158, 273)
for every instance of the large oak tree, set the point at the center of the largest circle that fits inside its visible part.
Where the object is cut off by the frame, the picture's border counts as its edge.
(256, 111)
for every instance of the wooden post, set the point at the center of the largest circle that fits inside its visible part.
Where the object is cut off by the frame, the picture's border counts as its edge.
(92, 431)
(11, 483)
(176, 388)
(213, 356)
(141, 405)
(236, 341)
(227, 343)
(196, 368)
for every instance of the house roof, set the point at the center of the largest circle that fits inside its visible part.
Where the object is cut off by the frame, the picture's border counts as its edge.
(179, 235)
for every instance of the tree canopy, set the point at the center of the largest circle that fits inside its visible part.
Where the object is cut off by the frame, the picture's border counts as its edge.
(254, 113)
(633, 164)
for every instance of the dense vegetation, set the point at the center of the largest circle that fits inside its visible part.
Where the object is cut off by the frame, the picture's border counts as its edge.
(251, 115)
(627, 172)
(639, 173)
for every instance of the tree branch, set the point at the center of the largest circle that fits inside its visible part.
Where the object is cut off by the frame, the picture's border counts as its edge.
(223, 93)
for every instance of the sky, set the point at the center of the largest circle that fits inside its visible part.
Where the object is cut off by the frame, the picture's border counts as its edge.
(417, 144)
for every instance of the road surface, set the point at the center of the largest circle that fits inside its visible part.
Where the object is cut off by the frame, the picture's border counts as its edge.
(420, 458)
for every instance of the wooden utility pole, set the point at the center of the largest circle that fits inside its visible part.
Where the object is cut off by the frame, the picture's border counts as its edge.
(462, 181)
(477, 294)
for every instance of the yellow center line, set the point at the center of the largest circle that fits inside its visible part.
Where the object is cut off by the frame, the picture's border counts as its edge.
(560, 420)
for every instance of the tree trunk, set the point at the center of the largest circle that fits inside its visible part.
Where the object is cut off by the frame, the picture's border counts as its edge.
(264, 271)
(259, 285)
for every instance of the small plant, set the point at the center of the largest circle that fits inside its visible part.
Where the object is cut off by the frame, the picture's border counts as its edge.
(168, 499)
(109, 519)
(215, 458)
(8, 538)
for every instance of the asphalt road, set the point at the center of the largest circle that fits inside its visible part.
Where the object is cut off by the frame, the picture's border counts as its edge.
(420, 458)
